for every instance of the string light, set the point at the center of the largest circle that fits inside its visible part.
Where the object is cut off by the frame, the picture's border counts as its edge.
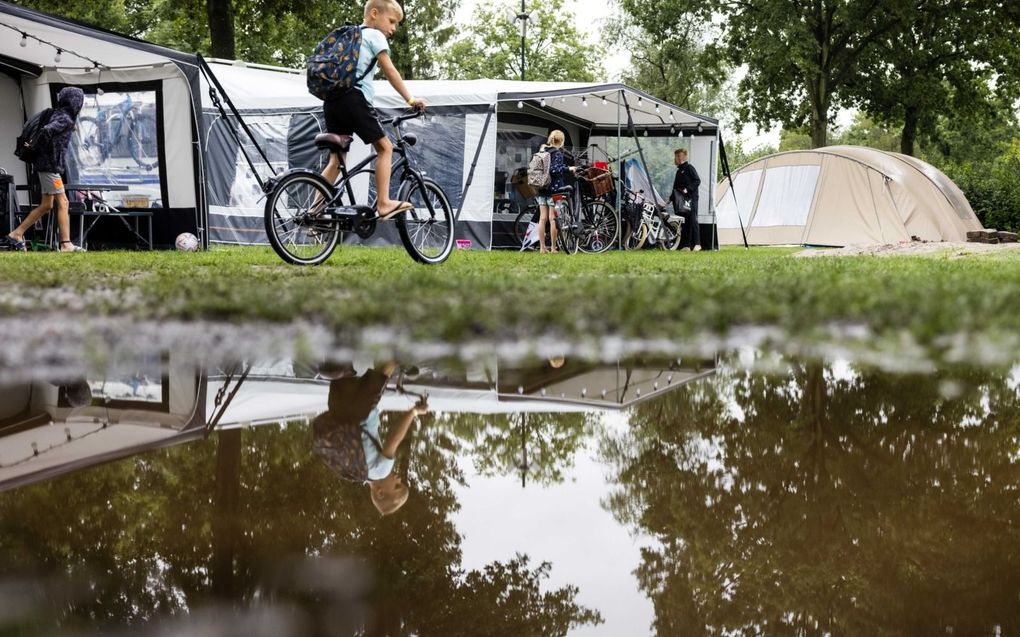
(520, 104)
(584, 102)
(59, 50)
(672, 130)
(671, 114)
(563, 99)
(542, 102)
(646, 132)
(24, 39)
(656, 108)
(56, 58)
(604, 100)
(639, 100)
(700, 127)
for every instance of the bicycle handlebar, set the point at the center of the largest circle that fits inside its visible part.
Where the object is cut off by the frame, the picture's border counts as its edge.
(399, 119)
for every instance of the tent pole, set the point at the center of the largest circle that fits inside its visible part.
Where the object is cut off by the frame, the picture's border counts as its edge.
(207, 71)
(474, 164)
(619, 168)
(729, 176)
(641, 153)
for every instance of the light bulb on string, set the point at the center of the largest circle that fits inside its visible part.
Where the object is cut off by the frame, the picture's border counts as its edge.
(671, 114)
(520, 104)
(24, 39)
(604, 100)
(542, 102)
(646, 132)
(672, 130)
(639, 100)
(584, 102)
(56, 58)
(563, 99)
(656, 108)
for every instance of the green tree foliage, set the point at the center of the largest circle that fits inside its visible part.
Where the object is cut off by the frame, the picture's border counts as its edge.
(242, 518)
(822, 501)
(490, 48)
(956, 57)
(264, 31)
(667, 56)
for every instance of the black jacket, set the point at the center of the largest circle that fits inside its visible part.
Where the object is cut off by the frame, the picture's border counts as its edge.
(686, 179)
(55, 137)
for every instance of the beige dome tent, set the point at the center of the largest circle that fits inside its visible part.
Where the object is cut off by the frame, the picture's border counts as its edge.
(841, 195)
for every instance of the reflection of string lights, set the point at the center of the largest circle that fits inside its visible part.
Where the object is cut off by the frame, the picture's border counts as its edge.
(68, 439)
(59, 50)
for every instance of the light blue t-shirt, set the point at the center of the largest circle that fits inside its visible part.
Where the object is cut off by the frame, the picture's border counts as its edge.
(373, 42)
(379, 466)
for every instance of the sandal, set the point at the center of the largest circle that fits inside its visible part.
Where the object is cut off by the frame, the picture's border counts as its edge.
(7, 243)
(74, 248)
(402, 206)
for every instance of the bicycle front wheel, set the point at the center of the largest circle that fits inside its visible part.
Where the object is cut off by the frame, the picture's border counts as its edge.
(427, 234)
(669, 238)
(600, 226)
(294, 220)
(634, 238)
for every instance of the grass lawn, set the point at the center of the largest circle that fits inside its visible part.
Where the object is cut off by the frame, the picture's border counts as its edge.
(507, 295)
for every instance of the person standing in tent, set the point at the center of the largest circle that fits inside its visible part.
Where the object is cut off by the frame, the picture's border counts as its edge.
(558, 171)
(50, 160)
(685, 200)
(351, 111)
(346, 436)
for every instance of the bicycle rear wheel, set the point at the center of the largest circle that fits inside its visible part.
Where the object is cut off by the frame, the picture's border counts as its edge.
(294, 225)
(523, 224)
(568, 230)
(600, 225)
(427, 235)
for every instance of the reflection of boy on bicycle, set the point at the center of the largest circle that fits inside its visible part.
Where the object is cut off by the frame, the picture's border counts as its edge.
(351, 111)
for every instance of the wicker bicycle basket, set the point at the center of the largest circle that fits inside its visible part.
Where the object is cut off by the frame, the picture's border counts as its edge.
(596, 182)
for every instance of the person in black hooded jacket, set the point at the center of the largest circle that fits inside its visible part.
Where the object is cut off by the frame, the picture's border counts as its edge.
(50, 161)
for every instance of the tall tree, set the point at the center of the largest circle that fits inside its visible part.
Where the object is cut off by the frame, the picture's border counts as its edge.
(955, 56)
(221, 28)
(668, 57)
(800, 57)
(427, 27)
(554, 49)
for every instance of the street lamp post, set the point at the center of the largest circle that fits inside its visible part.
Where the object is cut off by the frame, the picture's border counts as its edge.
(523, 17)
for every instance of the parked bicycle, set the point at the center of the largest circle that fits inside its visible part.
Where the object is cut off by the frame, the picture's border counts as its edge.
(113, 128)
(306, 215)
(644, 222)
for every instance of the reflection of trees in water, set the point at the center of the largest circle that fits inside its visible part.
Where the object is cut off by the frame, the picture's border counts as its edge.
(541, 445)
(171, 531)
(862, 505)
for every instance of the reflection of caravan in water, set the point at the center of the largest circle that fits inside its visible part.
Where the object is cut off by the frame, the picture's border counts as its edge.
(49, 429)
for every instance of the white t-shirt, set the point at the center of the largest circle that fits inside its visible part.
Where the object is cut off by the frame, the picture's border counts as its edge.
(373, 42)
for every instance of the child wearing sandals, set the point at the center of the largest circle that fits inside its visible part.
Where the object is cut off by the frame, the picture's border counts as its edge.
(352, 111)
(50, 161)
(558, 171)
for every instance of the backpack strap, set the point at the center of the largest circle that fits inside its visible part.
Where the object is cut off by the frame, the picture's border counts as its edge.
(371, 65)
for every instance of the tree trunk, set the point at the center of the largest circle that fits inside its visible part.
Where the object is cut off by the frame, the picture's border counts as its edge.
(819, 119)
(225, 528)
(909, 135)
(221, 28)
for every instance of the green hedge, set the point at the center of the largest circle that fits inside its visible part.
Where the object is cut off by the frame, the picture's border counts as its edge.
(992, 190)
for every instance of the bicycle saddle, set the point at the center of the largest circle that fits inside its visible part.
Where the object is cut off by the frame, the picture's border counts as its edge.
(333, 142)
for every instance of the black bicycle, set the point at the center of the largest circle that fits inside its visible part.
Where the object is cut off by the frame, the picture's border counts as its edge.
(644, 222)
(306, 215)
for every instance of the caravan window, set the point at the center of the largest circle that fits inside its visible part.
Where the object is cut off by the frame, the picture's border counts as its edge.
(117, 141)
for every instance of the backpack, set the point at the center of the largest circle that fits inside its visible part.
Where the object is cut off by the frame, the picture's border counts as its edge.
(339, 444)
(26, 145)
(332, 68)
(538, 169)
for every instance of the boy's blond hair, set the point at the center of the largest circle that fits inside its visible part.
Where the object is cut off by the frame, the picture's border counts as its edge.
(556, 138)
(389, 500)
(383, 6)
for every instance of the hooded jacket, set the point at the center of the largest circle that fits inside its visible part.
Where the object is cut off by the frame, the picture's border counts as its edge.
(56, 135)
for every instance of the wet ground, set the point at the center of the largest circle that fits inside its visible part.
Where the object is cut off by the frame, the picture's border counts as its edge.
(183, 491)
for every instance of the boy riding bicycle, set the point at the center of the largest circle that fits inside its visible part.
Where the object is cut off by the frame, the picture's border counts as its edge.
(351, 111)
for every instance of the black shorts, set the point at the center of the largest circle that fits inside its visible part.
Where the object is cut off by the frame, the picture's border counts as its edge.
(353, 399)
(351, 113)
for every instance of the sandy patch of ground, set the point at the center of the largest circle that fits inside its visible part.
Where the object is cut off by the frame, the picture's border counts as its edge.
(911, 248)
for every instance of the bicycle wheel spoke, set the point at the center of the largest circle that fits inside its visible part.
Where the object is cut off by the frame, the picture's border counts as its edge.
(294, 229)
(427, 235)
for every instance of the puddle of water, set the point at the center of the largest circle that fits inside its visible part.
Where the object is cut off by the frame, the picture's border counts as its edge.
(745, 492)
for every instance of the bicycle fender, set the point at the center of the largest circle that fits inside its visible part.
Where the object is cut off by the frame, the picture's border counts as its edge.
(270, 184)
